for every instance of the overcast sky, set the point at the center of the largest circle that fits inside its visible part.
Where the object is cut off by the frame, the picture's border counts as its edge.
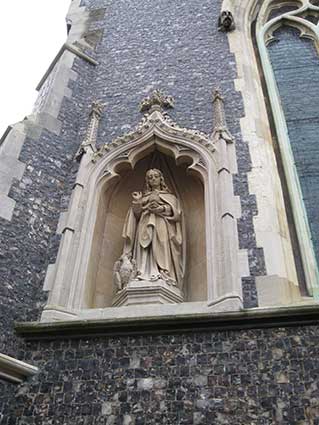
(31, 34)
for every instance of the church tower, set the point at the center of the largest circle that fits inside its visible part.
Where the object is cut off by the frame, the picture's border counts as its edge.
(158, 220)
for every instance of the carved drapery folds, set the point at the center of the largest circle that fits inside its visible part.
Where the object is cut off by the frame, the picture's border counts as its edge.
(153, 258)
(187, 156)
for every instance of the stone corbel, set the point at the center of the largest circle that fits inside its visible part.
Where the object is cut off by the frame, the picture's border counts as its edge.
(226, 21)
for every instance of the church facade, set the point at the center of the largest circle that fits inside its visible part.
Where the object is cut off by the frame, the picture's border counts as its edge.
(158, 220)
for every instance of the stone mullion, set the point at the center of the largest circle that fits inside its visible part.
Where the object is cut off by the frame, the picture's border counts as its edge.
(294, 188)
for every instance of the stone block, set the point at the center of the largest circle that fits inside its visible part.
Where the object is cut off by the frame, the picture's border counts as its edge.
(6, 207)
(276, 291)
(143, 293)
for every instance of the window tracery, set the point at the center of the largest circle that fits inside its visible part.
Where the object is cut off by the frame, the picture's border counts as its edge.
(288, 39)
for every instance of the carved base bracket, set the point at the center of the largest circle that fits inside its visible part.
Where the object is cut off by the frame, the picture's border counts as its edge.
(141, 292)
(226, 303)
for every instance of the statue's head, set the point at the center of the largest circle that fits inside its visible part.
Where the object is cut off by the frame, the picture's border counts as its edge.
(154, 179)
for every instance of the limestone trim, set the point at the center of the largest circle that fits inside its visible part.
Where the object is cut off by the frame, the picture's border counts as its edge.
(92, 130)
(220, 126)
(167, 318)
(72, 49)
(163, 123)
(78, 19)
(52, 90)
(14, 370)
(44, 117)
(10, 166)
(264, 31)
(271, 226)
(297, 18)
(212, 163)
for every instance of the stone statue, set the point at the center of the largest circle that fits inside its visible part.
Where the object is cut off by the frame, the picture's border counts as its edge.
(153, 232)
(226, 21)
(124, 270)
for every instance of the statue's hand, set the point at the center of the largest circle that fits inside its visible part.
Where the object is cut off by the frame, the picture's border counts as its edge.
(153, 205)
(155, 208)
(137, 196)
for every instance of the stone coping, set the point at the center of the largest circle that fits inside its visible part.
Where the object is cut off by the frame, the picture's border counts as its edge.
(245, 319)
(14, 370)
(71, 48)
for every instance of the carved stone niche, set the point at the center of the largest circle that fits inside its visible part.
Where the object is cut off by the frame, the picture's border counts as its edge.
(114, 203)
(81, 281)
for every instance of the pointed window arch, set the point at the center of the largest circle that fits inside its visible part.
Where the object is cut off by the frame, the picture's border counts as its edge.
(287, 35)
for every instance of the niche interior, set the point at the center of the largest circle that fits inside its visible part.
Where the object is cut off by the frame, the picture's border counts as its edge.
(196, 169)
(115, 200)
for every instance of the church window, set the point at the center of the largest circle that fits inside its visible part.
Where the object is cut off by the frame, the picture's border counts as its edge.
(287, 39)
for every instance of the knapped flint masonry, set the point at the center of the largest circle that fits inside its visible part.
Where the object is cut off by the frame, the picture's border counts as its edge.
(158, 220)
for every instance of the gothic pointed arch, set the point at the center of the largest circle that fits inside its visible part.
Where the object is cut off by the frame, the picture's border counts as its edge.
(195, 167)
(284, 229)
(287, 39)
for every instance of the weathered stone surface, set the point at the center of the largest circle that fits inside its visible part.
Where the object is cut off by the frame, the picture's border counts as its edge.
(200, 378)
(232, 377)
(136, 55)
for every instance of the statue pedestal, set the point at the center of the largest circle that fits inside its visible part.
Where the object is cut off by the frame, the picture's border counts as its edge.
(142, 292)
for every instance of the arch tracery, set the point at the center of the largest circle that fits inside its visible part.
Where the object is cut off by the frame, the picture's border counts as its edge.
(297, 18)
(259, 24)
(100, 175)
(301, 15)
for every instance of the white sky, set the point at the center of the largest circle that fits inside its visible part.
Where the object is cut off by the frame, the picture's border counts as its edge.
(31, 34)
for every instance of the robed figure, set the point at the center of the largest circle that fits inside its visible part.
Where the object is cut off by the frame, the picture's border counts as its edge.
(154, 233)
